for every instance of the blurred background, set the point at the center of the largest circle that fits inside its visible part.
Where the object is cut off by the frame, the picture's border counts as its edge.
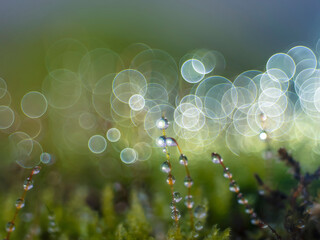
(246, 33)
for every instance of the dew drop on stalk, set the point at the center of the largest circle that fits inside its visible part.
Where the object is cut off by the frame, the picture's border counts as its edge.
(227, 173)
(19, 203)
(171, 180)
(165, 167)
(161, 141)
(175, 214)
(263, 225)
(10, 227)
(188, 201)
(195, 235)
(249, 209)
(263, 135)
(216, 158)
(170, 142)
(241, 199)
(183, 160)
(198, 226)
(162, 123)
(188, 182)
(36, 170)
(255, 221)
(233, 187)
(263, 117)
(28, 184)
(200, 212)
(300, 224)
(177, 196)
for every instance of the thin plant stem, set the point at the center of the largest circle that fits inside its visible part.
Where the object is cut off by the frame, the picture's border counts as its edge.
(259, 222)
(176, 219)
(22, 198)
(189, 186)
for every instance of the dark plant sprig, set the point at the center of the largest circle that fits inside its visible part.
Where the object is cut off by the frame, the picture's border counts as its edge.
(274, 196)
(233, 187)
(27, 185)
(304, 180)
(288, 159)
(298, 214)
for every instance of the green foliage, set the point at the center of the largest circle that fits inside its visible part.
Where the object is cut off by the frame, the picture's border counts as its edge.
(216, 234)
(109, 216)
(121, 233)
(174, 233)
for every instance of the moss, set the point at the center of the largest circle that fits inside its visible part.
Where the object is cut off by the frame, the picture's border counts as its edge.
(109, 216)
(216, 234)
(137, 225)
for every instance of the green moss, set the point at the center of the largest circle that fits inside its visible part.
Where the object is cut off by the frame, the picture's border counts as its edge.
(216, 234)
(138, 227)
(109, 216)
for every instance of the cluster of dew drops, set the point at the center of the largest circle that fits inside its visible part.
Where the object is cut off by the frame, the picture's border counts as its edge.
(199, 211)
(234, 187)
(27, 185)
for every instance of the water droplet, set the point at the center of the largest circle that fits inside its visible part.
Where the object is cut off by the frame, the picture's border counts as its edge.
(188, 201)
(183, 160)
(19, 203)
(216, 158)
(241, 199)
(249, 209)
(162, 123)
(200, 212)
(263, 135)
(172, 205)
(195, 235)
(175, 214)
(177, 196)
(165, 167)
(263, 117)
(255, 221)
(171, 180)
(233, 187)
(263, 225)
(36, 170)
(53, 229)
(226, 173)
(188, 182)
(170, 142)
(164, 150)
(300, 224)
(28, 184)
(161, 141)
(261, 192)
(198, 226)
(10, 227)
